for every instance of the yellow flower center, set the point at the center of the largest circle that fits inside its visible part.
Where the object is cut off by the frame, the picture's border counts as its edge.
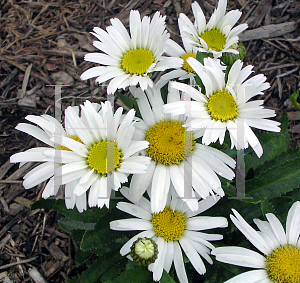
(283, 265)
(75, 138)
(137, 62)
(221, 106)
(169, 142)
(169, 224)
(214, 39)
(104, 157)
(186, 65)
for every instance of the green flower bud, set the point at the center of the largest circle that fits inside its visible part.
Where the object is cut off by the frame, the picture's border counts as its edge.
(144, 251)
(229, 58)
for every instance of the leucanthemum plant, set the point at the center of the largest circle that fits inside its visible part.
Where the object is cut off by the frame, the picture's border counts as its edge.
(218, 35)
(225, 105)
(281, 249)
(174, 152)
(173, 229)
(130, 59)
(102, 155)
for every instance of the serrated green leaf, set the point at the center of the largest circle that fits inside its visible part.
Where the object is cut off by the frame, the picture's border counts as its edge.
(101, 237)
(293, 99)
(223, 208)
(273, 145)
(275, 181)
(91, 215)
(69, 224)
(282, 205)
(166, 278)
(97, 268)
(267, 207)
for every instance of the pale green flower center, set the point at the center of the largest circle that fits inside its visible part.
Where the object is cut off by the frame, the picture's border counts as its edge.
(282, 265)
(214, 39)
(169, 224)
(186, 65)
(144, 248)
(144, 251)
(169, 142)
(137, 62)
(104, 157)
(221, 106)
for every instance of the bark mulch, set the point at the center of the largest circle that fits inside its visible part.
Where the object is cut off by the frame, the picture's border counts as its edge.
(42, 43)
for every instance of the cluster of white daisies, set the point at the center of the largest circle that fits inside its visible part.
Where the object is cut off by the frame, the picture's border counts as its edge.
(174, 178)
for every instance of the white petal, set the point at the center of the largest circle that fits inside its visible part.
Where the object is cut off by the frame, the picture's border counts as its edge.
(253, 276)
(293, 224)
(239, 256)
(160, 187)
(131, 224)
(134, 210)
(179, 265)
(277, 228)
(193, 256)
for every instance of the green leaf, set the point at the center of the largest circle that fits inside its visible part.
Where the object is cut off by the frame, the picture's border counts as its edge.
(69, 224)
(127, 101)
(276, 180)
(293, 99)
(166, 278)
(136, 108)
(102, 237)
(130, 103)
(273, 145)
(200, 57)
(91, 215)
(137, 274)
(267, 207)
(282, 205)
(164, 92)
(114, 271)
(97, 268)
(81, 256)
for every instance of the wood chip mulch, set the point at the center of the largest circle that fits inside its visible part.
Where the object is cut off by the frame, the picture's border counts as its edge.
(42, 43)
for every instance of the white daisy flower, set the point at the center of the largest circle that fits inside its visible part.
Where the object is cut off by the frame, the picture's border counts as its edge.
(130, 59)
(175, 156)
(48, 127)
(184, 71)
(281, 249)
(104, 156)
(216, 36)
(174, 228)
(225, 105)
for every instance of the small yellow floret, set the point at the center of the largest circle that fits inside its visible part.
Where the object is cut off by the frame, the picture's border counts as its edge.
(137, 62)
(186, 65)
(104, 157)
(221, 106)
(169, 142)
(214, 39)
(283, 265)
(169, 224)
